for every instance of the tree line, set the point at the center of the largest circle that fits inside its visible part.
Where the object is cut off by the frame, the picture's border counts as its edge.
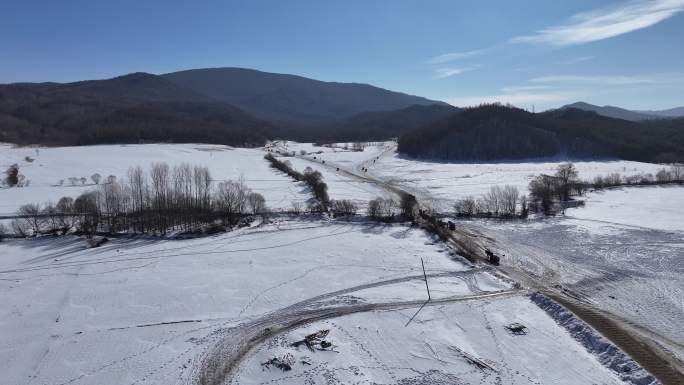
(550, 192)
(498, 202)
(313, 179)
(182, 198)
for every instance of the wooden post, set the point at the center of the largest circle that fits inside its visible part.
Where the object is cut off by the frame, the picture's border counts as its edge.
(425, 276)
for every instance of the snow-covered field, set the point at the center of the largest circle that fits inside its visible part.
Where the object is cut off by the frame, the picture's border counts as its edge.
(442, 183)
(150, 311)
(624, 251)
(342, 185)
(378, 348)
(655, 207)
(163, 311)
(50, 165)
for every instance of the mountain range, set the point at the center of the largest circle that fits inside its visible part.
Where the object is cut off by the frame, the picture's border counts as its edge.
(243, 107)
(232, 106)
(621, 113)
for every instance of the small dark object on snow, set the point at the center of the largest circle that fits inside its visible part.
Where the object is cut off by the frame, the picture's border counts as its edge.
(97, 241)
(493, 258)
(283, 363)
(314, 339)
(452, 225)
(517, 328)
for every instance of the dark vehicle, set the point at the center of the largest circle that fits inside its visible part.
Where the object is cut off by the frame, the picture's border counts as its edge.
(493, 258)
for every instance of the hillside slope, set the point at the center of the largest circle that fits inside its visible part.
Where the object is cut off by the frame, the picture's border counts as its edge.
(291, 98)
(495, 132)
(132, 108)
(612, 111)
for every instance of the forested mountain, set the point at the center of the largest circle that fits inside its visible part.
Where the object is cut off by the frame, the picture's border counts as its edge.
(379, 125)
(291, 99)
(206, 105)
(132, 108)
(495, 132)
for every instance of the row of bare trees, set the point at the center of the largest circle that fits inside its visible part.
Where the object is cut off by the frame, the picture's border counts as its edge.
(181, 198)
(550, 191)
(314, 179)
(498, 202)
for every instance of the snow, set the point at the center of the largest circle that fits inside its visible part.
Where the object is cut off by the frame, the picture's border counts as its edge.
(342, 185)
(152, 310)
(379, 348)
(609, 354)
(68, 310)
(443, 183)
(653, 207)
(147, 310)
(55, 163)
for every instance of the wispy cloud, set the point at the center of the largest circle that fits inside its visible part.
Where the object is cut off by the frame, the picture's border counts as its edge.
(597, 80)
(441, 73)
(449, 57)
(606, 22)
(576, 60)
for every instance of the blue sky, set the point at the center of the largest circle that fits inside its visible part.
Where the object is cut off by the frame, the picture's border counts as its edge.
(528, 53)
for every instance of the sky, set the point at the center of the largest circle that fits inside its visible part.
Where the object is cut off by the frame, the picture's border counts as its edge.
(533, 54)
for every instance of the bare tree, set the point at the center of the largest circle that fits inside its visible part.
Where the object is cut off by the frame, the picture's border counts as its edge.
(12, 175)
(89, 214)
(257, 203)
(566, 177)
(663, 176)
(542, 189)
(297, 207)
(32, 217)
(96, 178)
(466, 207)
(65, 210)
(408, 205)
(509, 199)
(20, 228)
(678, 172)
(343, 207)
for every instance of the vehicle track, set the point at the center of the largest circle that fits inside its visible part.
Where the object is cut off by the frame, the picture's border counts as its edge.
(646, 351)
(219, 363)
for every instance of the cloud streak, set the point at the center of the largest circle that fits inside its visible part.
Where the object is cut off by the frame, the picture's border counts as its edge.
(599, 80)
(606, 23)
(449, 57)
(442, 73)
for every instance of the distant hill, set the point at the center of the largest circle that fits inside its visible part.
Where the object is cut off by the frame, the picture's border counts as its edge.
(290, 98)
(383, 125)
(676, 112)
(495, 133)
(612, 111)
(132, 108)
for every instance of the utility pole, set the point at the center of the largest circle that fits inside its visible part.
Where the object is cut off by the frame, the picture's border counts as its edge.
(425, 276)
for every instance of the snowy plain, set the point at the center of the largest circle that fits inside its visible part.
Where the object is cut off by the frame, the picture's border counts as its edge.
(441, 184)
(50, 165)
(147, 310)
